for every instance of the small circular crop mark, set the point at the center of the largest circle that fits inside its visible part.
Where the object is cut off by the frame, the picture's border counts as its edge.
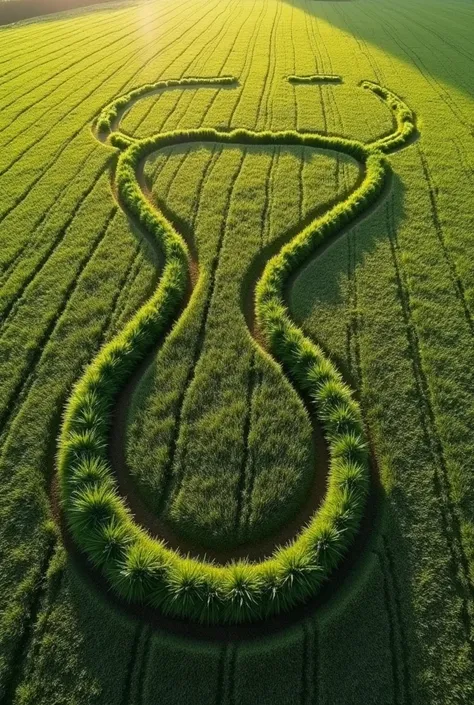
(143, 569)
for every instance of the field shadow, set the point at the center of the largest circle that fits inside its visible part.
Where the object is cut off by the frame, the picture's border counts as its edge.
(433, 53)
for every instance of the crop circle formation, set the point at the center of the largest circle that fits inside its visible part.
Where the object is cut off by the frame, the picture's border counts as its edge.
(141, 568)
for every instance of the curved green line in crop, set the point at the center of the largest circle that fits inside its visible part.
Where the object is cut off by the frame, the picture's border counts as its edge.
(143, 569)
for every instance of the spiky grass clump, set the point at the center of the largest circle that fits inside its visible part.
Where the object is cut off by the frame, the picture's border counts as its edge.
(142, 569)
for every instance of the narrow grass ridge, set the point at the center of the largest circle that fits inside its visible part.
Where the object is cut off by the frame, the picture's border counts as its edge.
(315, 78)
(143, 569)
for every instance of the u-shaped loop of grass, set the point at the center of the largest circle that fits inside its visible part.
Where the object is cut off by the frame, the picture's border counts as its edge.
(143, 569)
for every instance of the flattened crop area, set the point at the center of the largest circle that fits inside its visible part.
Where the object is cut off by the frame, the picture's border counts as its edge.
(213, 438)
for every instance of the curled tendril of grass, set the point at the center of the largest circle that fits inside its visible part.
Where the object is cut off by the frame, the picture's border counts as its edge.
(143, 569)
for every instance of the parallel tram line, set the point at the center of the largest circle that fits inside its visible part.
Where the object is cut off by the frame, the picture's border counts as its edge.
(132, 665)
(220, 676)
(201, 336)
(356, 316)
(249, 59)
(34, 607)
(309, 667)
(301, 184)
(69, 141)
(11, 414)
(134, 688)
(442, 485)
(266, 94)
(50, 108)
(448, 513)
(463, 159)
(40, 224)
(43, 34)
(48, 93)
(38, 594)
(392, 628)
(22, 388)
(292, 87)
(98, 87)
(430, 79)
(327, 67)
(118, 314)
(30, 279)
(143, 665)
(229, 53)
(362, 45)
(168, 469)
(455, 277)
(251, 384)
(183, 160)
(245, 512)
(72, 47)
(225, 690)
(114, 305)
(12, 306)
(447, 20)
(194, 64)
(85, 57)
(354, 356)
(177, 164)
(178, 475)
(230, 674)
(395, 613)
(54, 124)
(320, 88)
(426, 29)
(34, 245)
(39, 623)
(352, 364)
(319, 63)
(255, 377)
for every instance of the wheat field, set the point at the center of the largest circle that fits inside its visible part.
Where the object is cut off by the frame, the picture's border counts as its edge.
(170, 360)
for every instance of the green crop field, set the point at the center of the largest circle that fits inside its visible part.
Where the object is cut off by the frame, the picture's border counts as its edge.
(236, 353)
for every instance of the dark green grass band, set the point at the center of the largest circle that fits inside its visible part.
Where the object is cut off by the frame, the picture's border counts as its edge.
(315, 78)
(143, 569)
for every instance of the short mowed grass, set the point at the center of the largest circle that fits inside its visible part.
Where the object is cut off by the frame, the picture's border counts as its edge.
(390, 302)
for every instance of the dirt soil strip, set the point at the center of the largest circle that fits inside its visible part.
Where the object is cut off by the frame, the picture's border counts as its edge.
(17, 10)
